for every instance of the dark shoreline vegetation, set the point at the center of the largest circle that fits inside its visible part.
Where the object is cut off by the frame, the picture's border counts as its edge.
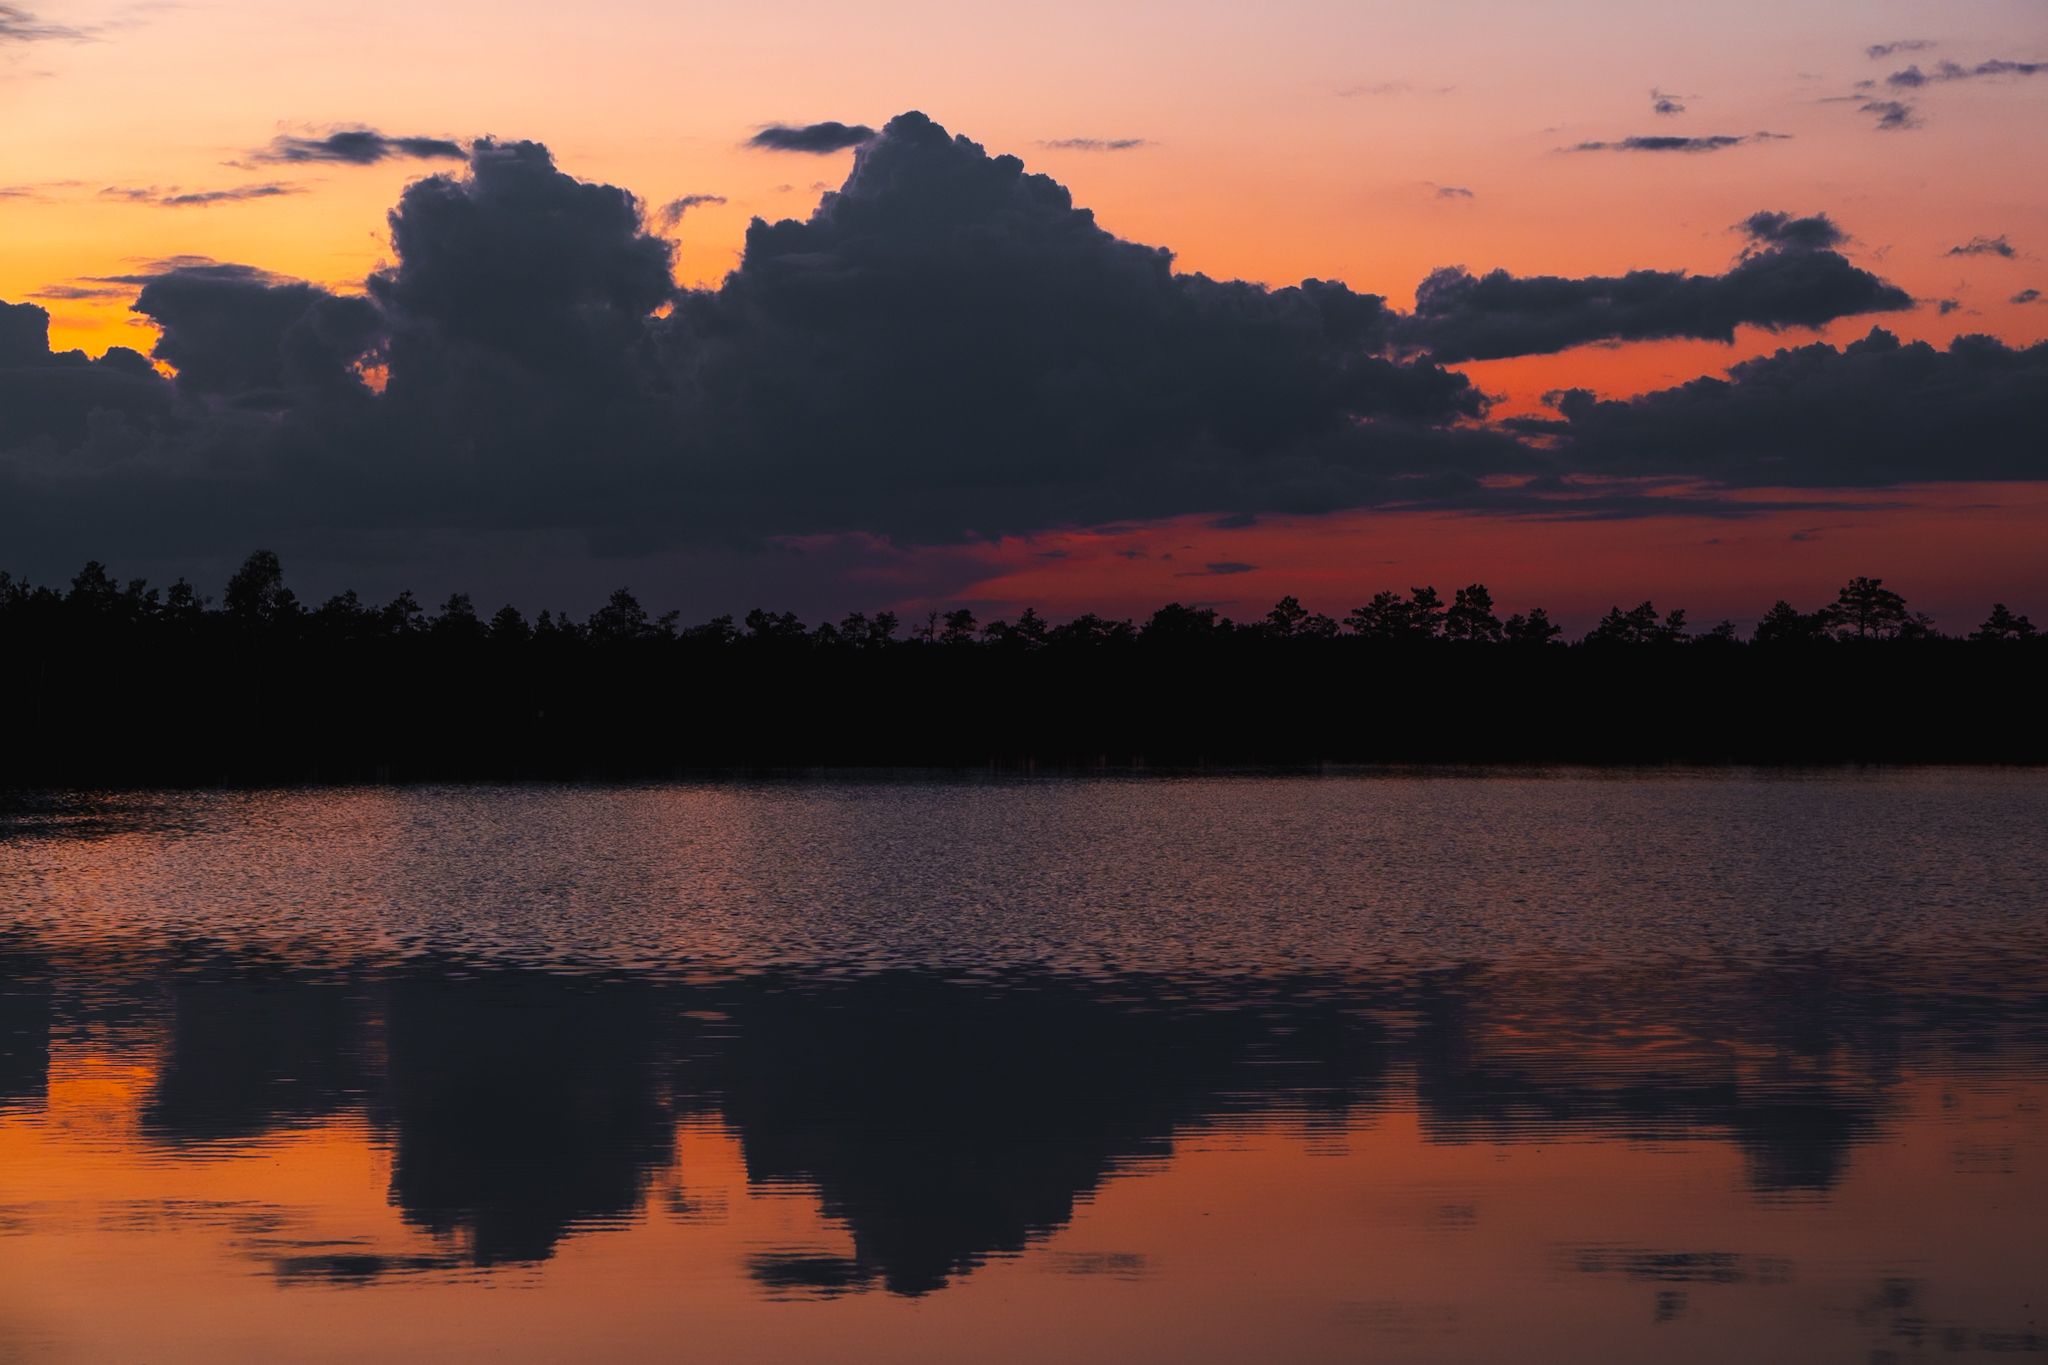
(111, 684)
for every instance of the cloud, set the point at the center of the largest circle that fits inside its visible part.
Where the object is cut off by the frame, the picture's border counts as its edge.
(1878, 51)
(946, 349)
(244, 334)
(358, 147)
(1984, 246)
(1774, 229)
(72, 293)
(1947, 306)
(814, 138)
(1661, 142)
(1662, 103)
(18, 25)
(1788, 277)
(672, 212)
(2027, 296)
(1875, 413)
(1892, 115)
(1454, 192)
(1097, 144)
(1913, 78)
(175, 198)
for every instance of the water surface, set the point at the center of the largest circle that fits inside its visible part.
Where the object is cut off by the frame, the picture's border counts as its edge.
(1556, 1066)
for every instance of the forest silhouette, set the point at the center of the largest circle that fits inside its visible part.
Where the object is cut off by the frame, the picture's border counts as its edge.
(123, 683)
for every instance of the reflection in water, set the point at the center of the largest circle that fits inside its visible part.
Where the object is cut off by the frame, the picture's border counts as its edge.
(1836, 1146)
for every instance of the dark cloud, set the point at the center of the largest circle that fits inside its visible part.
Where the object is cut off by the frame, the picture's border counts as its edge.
(64, 401)
(1892, 115)
(672, 212)
(2027, 296)
(1789, 277)
(1912, 78)
(1947, 306)
(359, 147)
(854, 353)
(241, 334)
(175, 198)
(815, 138)
(1985, 246)
(1877, 51)
(1220, 569)
(1454, 192)
(946, 348)
(1662, 103)
(18, 25)
(1097, 144)
(1716, 142)
(1775, 229)
(1877, 412)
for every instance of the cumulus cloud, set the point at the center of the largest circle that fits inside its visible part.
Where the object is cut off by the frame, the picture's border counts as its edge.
(1985, 246)
(672, 212)
(814, 138)
(1877, 412)
(358, 147)
(243, 334)
(1665, 142)
(1788, 277)
(947, 347)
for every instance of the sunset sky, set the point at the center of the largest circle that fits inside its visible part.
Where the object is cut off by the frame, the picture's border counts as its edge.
(1365, 144)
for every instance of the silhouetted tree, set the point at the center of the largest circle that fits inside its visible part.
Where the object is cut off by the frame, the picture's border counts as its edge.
(1471, 616)
(344, 617)
(1390, 617)
(2003, 625)
(1289, 619)
(256, 596)
(1090, 629)
(509, 627)
(1865, 609)
(959, 629)
(1533, 629)
(183, 604)
(458, 620)
(402, 615)
(1785, 624)
(620, 620)
(768, 625)
(719, 630)
(1638, 626)
(1176, 623)
(93, 591)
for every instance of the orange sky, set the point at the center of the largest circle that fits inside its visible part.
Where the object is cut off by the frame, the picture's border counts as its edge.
(1291, 139)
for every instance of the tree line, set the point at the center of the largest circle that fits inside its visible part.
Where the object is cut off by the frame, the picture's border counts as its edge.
(257, 604)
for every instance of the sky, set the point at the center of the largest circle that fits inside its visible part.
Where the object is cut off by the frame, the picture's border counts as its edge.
(944, 385)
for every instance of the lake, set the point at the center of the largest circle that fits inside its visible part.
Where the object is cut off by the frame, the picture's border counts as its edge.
(1546, 1066)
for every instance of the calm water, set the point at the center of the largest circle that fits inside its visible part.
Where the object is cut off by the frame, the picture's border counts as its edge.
(1564, 1067)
